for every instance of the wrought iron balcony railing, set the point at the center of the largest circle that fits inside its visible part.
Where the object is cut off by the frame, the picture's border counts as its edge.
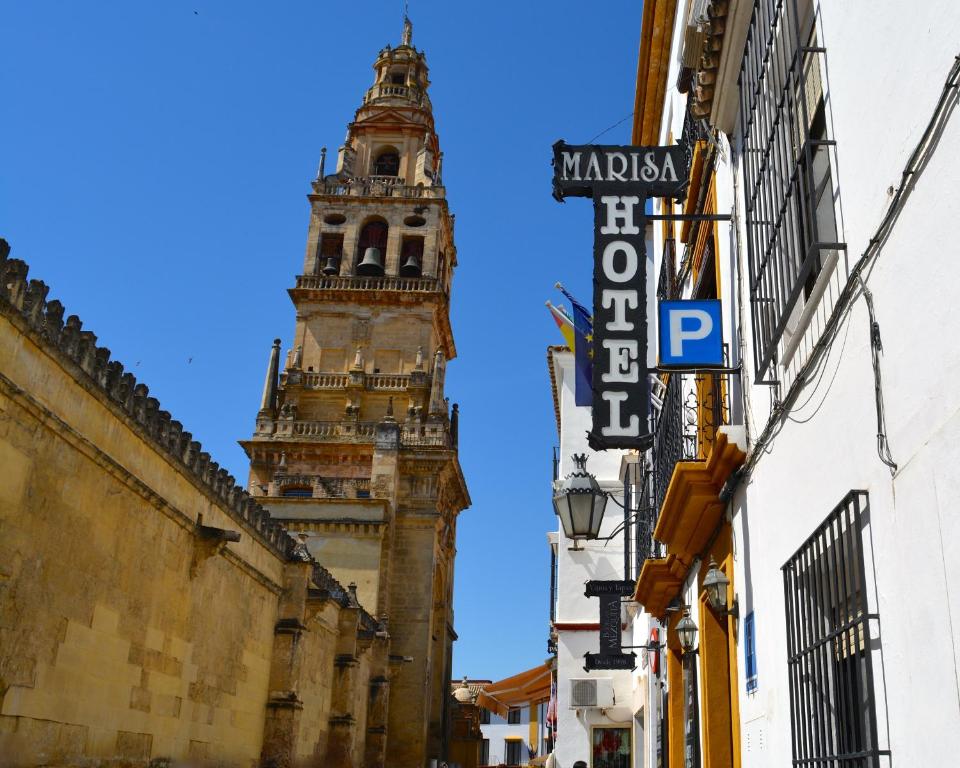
(695, 406)
(694, 130)
(667, 283)
(644, 520)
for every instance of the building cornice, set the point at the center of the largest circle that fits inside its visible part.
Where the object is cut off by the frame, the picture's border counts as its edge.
(653, 66)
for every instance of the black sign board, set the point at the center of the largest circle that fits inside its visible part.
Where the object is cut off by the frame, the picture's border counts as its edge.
(613, 661)
(619, 179)
(611, 656)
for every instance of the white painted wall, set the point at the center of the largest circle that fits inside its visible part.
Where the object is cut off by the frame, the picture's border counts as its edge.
(598, 560)
(498, 731)
(885, 67)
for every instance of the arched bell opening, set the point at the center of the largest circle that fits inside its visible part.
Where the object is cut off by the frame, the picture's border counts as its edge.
(387, 162)
(371, 248)
(411, 257)
(329, 254)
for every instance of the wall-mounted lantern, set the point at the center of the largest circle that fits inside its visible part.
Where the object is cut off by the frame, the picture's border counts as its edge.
(687, 632)
(715, 584)
(579, 502)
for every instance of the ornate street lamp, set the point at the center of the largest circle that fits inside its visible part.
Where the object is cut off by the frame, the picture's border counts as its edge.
(715, 583)
(579, 502)
(687, 632)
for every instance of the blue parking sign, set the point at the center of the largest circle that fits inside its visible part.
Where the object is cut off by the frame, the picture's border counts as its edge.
(691, 333)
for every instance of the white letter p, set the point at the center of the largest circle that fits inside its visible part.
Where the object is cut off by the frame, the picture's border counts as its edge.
(678, 335)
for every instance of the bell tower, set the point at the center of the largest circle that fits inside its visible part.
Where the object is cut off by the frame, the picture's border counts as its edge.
(355, 445)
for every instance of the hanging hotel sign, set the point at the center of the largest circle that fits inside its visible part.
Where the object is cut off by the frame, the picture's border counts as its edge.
(619, 179)
(611, 655)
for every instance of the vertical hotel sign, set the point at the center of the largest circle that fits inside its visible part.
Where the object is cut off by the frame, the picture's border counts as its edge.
(619, 179)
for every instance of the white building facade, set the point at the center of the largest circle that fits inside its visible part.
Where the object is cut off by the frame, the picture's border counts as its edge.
(816, 472)
(595, 710)
(507, 739)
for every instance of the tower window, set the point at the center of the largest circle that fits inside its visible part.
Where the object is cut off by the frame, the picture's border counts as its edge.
(398, 78)
(298, 493)
(387, 163)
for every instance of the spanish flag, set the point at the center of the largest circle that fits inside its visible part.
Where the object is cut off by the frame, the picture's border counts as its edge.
(564, 323)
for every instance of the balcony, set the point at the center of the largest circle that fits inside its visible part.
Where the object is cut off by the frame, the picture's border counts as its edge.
(695, 406)
(695, 450)
(381, 382)
(377, 186)
(379, 284)
(644, 515)
(394, 91)
(437, 435)
(329, 431)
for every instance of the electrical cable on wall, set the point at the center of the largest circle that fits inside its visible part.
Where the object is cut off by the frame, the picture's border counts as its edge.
(856, 284)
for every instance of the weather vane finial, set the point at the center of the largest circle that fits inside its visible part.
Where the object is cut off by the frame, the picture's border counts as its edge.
(407, 38)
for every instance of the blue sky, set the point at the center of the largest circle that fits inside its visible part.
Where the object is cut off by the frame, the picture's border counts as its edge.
(155, 160)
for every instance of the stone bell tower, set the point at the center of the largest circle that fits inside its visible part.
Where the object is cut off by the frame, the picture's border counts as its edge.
(355, 443)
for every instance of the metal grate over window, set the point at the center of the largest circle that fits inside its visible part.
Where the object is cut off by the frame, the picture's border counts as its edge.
(791, 223)
(832, 702)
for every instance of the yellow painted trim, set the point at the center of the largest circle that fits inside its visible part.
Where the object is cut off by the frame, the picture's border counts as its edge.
(719, 749)
(692, 507)
(653, 64)
(660, 579)
(693, 190)
(675, 740)
(532, 729)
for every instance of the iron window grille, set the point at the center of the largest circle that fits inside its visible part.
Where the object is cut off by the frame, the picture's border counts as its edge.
(787, 156)
(832, 701)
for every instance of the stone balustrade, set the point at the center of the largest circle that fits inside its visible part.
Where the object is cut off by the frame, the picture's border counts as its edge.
(377, 186)
(351, 283)
(391, 382)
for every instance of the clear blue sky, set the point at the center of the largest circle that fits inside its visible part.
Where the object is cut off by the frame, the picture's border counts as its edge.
(155, 159)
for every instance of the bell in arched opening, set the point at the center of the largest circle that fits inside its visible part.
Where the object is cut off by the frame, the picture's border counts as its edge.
(371, 248)
(387, 163)
(411, 257)
(372, 263)
(332, 266)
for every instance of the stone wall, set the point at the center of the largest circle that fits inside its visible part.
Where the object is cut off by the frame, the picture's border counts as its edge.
(146, 601)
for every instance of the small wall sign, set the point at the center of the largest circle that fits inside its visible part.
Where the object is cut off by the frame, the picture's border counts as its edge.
(611, 655)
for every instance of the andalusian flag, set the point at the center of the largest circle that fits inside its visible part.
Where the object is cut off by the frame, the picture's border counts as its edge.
(582, 350)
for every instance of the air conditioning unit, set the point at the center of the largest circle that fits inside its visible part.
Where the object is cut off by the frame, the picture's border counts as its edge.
(591, 693)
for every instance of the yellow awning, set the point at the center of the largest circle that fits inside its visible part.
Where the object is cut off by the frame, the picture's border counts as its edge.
(530, 687)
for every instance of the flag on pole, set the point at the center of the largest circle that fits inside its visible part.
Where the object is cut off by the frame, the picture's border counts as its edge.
(564, 323)
(582, 350)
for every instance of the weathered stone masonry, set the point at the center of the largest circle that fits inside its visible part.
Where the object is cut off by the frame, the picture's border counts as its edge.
(149, 607)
